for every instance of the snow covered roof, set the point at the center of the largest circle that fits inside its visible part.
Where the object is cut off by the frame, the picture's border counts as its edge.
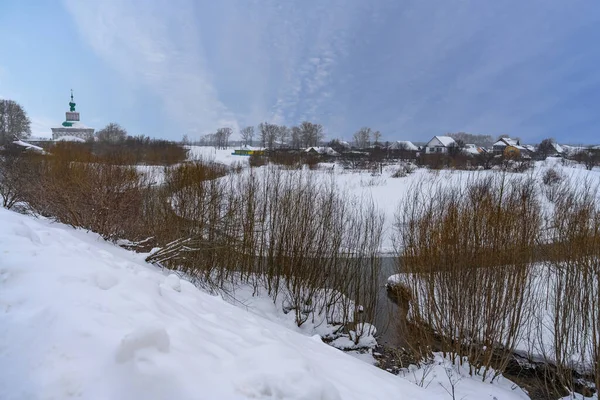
(446, 141)
(80, 125)
(558, 148)
(403, 144)
(323, 150)
(509, 142)
(571, 149)
(472, 149)
(28, 146)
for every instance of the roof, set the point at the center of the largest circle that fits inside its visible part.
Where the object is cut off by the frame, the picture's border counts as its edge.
(471, 149)
(509, 142)
(446, 141)
(557, 147)
(28, 146)
(323, 150)
(404, 144)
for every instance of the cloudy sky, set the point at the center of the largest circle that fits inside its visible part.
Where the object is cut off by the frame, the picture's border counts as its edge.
(409, 68)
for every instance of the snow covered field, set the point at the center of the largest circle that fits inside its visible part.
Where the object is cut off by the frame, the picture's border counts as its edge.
(209, 153)
(387, 192)
(82, 318)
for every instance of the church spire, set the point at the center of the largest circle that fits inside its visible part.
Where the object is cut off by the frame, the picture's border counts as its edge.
(72, 103)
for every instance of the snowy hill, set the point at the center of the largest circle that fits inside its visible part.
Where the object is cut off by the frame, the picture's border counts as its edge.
(80, 317)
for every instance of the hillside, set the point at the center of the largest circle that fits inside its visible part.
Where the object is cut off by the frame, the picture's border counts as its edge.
(82, 318)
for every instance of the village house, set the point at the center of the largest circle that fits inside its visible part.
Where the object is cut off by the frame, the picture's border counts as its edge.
(324, 151)
(510, 148)
(439, 145)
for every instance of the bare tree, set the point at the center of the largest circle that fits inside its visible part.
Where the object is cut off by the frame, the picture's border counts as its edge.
(546, 148)
(296, 140)
(478, 140)
(362, 137)
(112, 133)
(376, 137)
(14, 122)
(268, 134)
(185, 140)
(311, 134)
(590, 157)
(222, 137)
(247, 134)
(284, 134)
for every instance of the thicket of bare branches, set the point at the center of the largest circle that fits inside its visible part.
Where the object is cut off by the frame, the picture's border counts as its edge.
(466, 255)
(13, 168)
(131, 151)
(103, 198)
(294, 238)
(571, 315)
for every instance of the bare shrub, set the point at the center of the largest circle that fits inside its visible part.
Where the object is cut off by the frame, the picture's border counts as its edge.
(257, 160)
(103, 198)
(404, 169)
(12, 176)
(466, 254)
(299, 240)
(551, 177)
(552, 180)
(572, 309)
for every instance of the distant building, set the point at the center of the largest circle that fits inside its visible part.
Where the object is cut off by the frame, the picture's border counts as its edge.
(439, 145)
(403, 145)
(324, 151)
(72, 128)
(472, 149)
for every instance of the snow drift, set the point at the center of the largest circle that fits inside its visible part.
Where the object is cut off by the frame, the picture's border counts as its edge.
(80, 317)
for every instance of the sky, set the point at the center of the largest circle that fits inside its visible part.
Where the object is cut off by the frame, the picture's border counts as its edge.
(411, 69)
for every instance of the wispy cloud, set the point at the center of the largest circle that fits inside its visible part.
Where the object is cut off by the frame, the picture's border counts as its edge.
(156, 44)
(409, 68)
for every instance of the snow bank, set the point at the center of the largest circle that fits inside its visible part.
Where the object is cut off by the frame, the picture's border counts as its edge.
(80, 317)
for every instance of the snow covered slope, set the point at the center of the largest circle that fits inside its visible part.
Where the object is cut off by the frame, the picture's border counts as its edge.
(82, 318)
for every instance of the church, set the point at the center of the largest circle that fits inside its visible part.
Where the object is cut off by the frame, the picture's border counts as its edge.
(72, 128)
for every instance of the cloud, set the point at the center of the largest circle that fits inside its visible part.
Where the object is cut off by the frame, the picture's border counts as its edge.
(156, 44)
(409, 68)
